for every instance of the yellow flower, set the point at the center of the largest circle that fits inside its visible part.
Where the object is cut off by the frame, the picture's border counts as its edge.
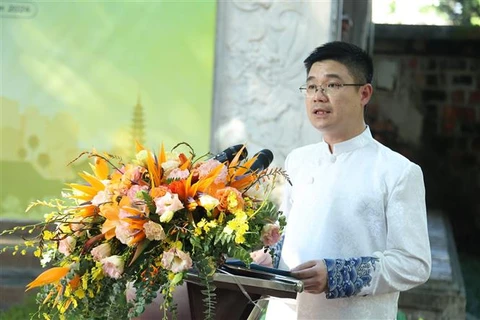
(220, 218)
(204, 225)
(239, 238)
(239, 225)
(85, 281)
(232, 201)
(79, 293)
(29, 243)
(178, 245)
(199, 227)
(48, 235)
(49, 216)
(68, 291)
(74, 302)
(97, 272)
(210, 225)
(65, 228)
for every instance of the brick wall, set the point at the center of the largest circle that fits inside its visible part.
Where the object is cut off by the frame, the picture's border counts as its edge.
(430, 112)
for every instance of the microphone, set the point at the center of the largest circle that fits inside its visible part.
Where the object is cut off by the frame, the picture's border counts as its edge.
(264, 158)
(230, 153)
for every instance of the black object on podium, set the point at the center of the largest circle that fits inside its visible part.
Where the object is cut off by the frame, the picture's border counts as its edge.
(232, 281)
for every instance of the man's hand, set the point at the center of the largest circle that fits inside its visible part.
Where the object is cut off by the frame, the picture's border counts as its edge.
(262, 258)
(313, 275)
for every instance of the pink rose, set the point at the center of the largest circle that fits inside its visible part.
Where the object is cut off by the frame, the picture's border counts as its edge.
(123, 234)
(67, 245)
(205, 168)
(176, 260)
(178, 174)
(134, 190)
(153, 231)
(76, 224)
(169, 202)
(132, 174)
(270, 234)
(102, 251)
(130, 292)
(113, 266)
(101, 197)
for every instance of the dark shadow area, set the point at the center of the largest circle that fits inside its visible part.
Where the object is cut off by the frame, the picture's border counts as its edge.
(428, 108)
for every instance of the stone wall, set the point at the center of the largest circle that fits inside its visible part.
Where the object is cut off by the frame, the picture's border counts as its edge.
(260, 48)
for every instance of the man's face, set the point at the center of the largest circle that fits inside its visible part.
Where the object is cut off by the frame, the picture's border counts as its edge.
(337, 113)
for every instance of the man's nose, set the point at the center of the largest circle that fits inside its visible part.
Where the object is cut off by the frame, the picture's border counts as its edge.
(320, 95)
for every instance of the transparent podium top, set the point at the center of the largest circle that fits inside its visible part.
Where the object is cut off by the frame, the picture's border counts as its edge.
(253, 281)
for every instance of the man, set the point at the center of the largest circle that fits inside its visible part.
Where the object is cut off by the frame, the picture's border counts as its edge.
(357, 227)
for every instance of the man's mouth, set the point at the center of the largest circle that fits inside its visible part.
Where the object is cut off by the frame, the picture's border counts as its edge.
(321, 112)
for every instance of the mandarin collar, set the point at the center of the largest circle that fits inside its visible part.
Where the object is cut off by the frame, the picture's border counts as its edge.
(349, 145)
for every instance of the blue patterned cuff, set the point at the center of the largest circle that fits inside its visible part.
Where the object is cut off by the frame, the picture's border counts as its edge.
(277, 251)
(346, 277)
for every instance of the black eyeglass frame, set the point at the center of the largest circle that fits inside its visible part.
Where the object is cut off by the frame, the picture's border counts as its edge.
(303, 89)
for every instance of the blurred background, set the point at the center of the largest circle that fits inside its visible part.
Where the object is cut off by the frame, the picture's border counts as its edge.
(82, 75)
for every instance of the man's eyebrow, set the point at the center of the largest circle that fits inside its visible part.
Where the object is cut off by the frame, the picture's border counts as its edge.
(333, 75)
(328, 75)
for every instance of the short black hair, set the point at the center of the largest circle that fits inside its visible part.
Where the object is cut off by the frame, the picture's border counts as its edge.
(355, 59)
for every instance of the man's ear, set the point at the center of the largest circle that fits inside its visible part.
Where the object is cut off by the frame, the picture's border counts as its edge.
(366, 93)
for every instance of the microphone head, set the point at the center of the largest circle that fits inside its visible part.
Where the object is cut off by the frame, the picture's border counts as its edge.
(228, 154)
(264, 158)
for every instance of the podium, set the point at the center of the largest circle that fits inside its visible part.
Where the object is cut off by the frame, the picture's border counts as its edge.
(232, 303)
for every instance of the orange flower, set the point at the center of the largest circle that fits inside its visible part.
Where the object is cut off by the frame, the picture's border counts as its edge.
(230, 200)
(95, 184)
(111, 212)
(51, 275)
(178, 187)
(75, 282)
(158, 192)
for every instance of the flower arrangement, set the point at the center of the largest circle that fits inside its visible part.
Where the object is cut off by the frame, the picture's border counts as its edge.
(134, 229)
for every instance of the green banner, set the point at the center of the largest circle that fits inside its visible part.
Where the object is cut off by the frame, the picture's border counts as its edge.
(78, 75)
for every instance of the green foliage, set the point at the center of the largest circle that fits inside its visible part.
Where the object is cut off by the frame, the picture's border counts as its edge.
(206, 267)
(102, 305)
(460, 12)
(22, 311)
(148, 200)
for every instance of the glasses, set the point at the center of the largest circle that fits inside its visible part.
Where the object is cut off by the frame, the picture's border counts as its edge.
(309, 90)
